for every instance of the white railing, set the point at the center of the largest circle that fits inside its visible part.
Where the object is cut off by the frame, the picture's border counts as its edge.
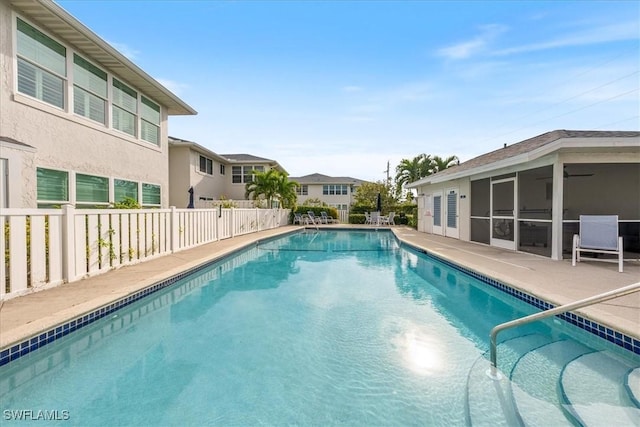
(46, 247)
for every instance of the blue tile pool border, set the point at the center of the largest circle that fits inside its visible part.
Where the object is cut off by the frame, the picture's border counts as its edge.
(41, 339)
(616, 337)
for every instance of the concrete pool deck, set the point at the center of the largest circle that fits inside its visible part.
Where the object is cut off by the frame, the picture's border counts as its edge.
(554, 281)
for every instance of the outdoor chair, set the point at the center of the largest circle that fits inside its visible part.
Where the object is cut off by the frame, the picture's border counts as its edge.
(598, 234)
(388, 219)
(367, 218)
(313, 218)
(326, 219)
(375, 218)
(297, 218)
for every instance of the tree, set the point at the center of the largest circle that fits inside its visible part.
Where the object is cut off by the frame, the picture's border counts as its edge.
(412, 170)
(272, 185)
(367, 194)
(440, 164)
(286, 191)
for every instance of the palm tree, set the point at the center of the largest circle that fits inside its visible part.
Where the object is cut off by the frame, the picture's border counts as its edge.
(263, 185)
(271, 185)
(286, 191)
(412, 170)
(439, 164)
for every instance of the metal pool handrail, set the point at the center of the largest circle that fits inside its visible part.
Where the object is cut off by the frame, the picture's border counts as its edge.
(557, 310)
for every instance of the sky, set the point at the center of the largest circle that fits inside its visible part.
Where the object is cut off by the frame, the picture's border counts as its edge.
(350, 88)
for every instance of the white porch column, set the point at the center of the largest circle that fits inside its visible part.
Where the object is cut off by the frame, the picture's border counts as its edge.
(557, 206)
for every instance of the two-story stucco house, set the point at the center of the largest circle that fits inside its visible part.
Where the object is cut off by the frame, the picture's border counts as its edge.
(79, 122)
(337, 192)
(211, 176)
(529, 196)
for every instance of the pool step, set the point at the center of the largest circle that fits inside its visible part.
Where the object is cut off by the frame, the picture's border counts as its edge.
(593, 391)
(632, 384)
(489, 401)
(534, 381)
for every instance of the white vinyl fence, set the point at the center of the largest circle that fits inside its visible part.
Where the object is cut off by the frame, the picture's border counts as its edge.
(47, 247)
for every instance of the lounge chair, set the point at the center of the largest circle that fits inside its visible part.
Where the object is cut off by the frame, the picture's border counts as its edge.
(598, 234)
(326, 219)
(297, 218)
(313, 218)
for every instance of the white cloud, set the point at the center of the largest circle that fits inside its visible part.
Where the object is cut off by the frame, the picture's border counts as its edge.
(594, 35)
(474, 46)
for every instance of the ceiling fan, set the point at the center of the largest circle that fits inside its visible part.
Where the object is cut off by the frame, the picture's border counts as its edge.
(567, 175)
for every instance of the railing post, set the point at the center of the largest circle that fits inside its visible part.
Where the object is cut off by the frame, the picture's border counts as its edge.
(68, 243)
(233, 222)
(257, 219)
(175, 228)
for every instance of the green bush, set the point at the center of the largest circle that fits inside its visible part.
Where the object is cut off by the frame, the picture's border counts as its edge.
(332, 212)
(356, 218)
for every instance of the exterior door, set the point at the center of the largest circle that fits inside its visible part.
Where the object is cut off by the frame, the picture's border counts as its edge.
(503, 221)
(438, 212)
(452, 229)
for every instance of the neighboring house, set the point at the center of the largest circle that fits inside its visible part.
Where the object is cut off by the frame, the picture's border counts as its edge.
(79, 122)
(337, 192)
(212, 176)
(529, 196)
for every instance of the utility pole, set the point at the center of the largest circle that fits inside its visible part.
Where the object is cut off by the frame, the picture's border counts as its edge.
(387, 172)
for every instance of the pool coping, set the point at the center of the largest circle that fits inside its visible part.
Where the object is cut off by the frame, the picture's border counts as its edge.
(24, 346)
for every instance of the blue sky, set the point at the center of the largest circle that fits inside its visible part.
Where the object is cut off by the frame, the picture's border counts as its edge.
(341, 88)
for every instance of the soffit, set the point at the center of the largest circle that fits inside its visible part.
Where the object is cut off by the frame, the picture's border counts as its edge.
(62, 25)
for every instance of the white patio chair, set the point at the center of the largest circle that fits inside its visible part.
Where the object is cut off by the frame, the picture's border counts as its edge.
(367, 218)
(388, 219)
(598, 234)
(375, 218)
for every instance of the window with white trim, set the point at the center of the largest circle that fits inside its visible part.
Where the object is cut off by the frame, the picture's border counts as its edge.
(125, 108)
(206, 165)
(42, 68)
(150, 195)
(89, 90)
(335, 189)
(244, 174)
(302, 190)
(92, 190)
(222, 169)
(124, 189)
(42, 74)
(149, 120)
(52, 187)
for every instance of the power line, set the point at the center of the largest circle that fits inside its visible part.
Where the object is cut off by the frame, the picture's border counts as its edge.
(599, 65)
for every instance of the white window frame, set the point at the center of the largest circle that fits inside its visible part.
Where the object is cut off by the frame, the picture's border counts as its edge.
(68, 86)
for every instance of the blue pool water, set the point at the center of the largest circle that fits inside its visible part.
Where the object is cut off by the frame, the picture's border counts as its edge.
(315, 328)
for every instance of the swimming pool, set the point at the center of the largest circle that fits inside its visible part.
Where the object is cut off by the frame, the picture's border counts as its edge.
(315, 328)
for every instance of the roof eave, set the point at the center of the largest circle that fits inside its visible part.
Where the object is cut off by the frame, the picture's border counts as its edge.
(96, 47)
(560, 144)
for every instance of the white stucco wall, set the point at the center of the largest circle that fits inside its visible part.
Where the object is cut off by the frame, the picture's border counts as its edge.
(68, 142)
(463, 187)
(21, 175)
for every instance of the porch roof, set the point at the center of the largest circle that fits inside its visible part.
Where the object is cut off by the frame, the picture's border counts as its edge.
(533, 148)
